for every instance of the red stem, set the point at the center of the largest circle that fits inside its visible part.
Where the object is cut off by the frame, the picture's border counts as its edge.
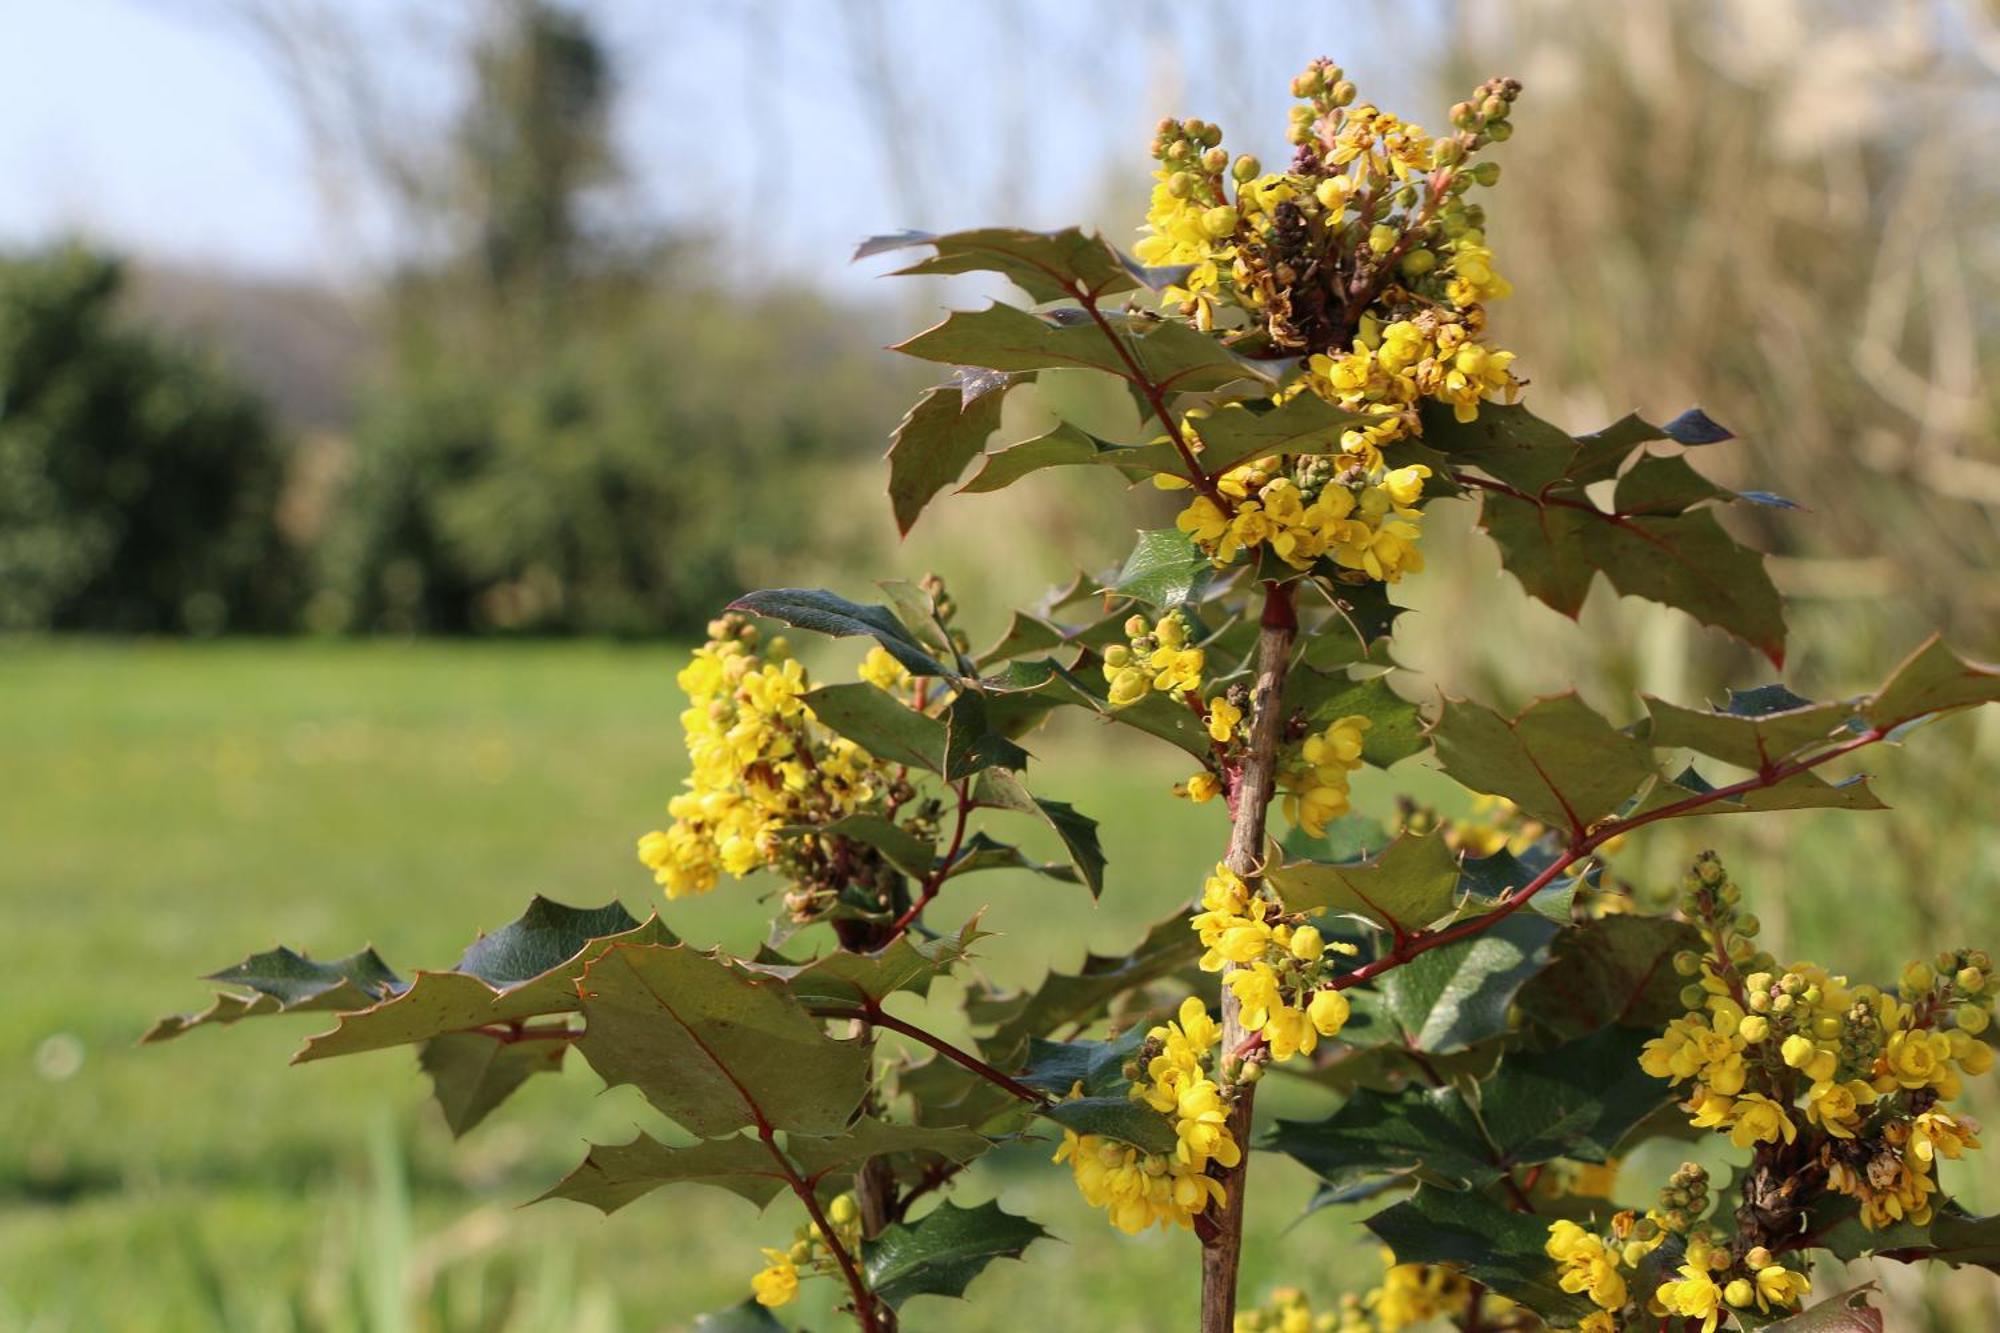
(965, 1059)
(1424, 941)
(934, 881)
(1155, 396)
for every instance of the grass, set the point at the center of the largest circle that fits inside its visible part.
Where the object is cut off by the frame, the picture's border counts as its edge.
(167, 809)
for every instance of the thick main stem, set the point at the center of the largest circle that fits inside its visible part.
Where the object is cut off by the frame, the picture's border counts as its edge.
(1222, 1256)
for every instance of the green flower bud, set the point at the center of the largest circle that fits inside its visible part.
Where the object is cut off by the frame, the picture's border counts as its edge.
(1486, 173)
(1246, 168)
(1971, 1019)
(1180, 185)
(1970, 980)
(1219, 221)
(1688, 963)
(1382, 238)
(1500, 131)
(1342, 93)
(1419, 262)
(1693, 997)
(1214, 160)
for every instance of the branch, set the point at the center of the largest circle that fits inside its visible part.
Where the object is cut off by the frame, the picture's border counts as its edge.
(864, 1300)
(1155, 397)
(1424, 941)
(872, 1012)
(934, 881)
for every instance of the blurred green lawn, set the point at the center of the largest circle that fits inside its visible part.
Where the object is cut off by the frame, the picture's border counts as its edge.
(166, 809)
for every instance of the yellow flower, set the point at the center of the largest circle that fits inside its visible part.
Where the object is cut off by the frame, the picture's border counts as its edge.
(1838, 1107)
(1779, 1286)
(1222, 719)
(1328, 1011)
(882, 670)
(777, 1284)
(1695, 1296)
(1203, 786)
(1917, 1059)
(1936, 1132)
(1757, 1119)
(1587, 1265)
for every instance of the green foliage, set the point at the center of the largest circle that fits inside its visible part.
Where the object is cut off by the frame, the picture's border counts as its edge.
(139, 483)
(940, 1254)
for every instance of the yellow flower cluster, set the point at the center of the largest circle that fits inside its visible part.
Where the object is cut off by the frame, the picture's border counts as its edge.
(1140, 1189)
(1278, 966)
(759, 763)
(1367, 261)
(1710, 1280)
(1759, 1284)
(778, 1281)
(1774, 1054)
(1314, 777)
(1409, 1295)
(1155, 656)
(1370, 526)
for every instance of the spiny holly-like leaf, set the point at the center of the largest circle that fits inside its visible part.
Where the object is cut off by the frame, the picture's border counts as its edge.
(1484, 881)
(971, 742)
(1047, 265)
(932, 445)
(1579, 1100)
(613, 1175)
(880, 724)
(1616, 969)
(1458, 994)
(829, 613)
(1068, 446)
(908, 963)
(941, 1253)
(1483, 1239)
(283, 982)
(1932, 680)
(983, 853)
(1157, 715)
(1303, 424)
(1652, 543)
(1166, 569)
(1094, 1068)
(1747, 741)
(1952, 1236)
(1411, 884)
(1558, 761)
(1396, 726)
(1848, 1312)
(1431, 1131)
(1072, 999)
(715, 1048)
(1169, 354)
(1115, 1116)
(904, 849)
(1000, 790)
(493, 984)
(473, 1072)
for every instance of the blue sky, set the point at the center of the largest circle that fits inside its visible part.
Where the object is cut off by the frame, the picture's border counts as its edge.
(161, 127)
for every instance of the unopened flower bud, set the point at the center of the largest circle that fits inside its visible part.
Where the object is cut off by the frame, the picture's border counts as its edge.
(1382, 238)
(1486, 173)
(1971, 1019)
(1917, 978)
(1739, 1292)
(1214, 160)
(1308, 945)
(1246, 168)
(1970, 980)
(1418, 262)
(1219, 221)
(1342, 93)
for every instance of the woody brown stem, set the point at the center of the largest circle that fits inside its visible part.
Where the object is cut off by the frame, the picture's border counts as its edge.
(1222, 1251)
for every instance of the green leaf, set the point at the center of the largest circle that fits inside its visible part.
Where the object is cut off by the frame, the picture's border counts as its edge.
(1667, 484)
(1156, 715)
(1168, 353)
(904, 849)
(1166, 569)
(747, 1316)
(473, 1072)
(1849, 1312)
(1482, 1239)
(1458, 994)
(1753, 741)
(1047, 265)
(1411, 884)
(941, 1253)
(488, 987)
(1420, 1130)
(283, 982)
(944, 431)
(907, 963)
(715, 1048)
(1687, 561)
(1000, 790)
(1616, 969)
(1508, 442)
(1305, 423)
(1072, 999)
(613, 1175)
(881, 724)
(828, 613)
(970, 741)
(1931, 680)
(1396, 726)
(983, 853)
(1578, 1100)
(1067, 446)
(1558, 761)
(1116, 1117)
(1952, 1236)
(1097, 1068)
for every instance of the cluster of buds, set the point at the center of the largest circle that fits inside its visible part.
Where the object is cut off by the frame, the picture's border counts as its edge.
(1155, 656)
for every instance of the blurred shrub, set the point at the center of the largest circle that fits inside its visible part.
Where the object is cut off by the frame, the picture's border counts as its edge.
(138, 482)
(574, 431)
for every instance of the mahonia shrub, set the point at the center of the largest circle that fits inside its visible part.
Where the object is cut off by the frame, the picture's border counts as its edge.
(1503, 1014)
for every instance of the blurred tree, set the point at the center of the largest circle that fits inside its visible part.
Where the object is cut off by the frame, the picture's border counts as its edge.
(138, 483)
(546, 449)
